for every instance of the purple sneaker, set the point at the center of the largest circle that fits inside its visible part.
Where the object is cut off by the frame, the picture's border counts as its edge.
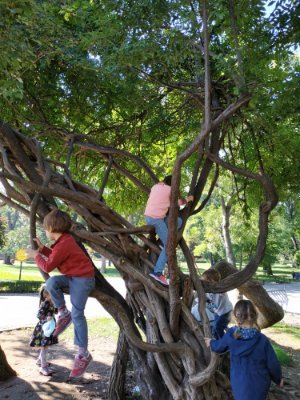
(63, 322)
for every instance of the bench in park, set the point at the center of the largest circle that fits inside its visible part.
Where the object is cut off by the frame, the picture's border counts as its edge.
(296, 276)
(280, 296)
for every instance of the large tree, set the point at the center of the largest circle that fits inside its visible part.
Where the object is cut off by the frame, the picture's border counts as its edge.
(102, 99)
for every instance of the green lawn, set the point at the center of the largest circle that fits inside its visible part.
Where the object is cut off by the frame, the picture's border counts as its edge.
(30, 272)
(282, 272)
(292, 331)
(98, 327)
(292, 336)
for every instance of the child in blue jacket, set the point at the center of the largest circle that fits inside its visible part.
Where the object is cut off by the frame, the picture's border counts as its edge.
(253, 362)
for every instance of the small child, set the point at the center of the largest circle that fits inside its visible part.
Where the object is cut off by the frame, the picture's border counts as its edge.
(253, 362)
(77, 274)
(197, 316)
(38, 337)
(218, 303)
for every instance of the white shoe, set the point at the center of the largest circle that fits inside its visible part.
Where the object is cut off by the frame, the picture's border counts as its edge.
(45, 371)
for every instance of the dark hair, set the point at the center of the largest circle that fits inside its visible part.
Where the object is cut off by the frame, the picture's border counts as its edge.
(211, 275)
(168, 180)
(244, 310)
(57, 221)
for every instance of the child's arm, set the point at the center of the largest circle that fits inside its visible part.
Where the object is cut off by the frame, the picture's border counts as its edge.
(42, 248)
(223, 304)
(182, 202)
(56, 257)
(218, 345)
(273, 365)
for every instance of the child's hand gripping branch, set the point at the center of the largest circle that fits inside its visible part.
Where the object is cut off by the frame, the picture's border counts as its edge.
(32, 253)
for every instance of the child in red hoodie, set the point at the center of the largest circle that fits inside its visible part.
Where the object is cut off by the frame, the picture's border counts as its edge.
(77, 275)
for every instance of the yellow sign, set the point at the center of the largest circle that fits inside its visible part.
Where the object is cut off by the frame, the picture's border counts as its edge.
(21, 255)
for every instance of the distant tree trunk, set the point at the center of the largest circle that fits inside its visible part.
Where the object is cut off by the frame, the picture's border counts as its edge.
(295, 242)
(103, 265)
(226, 208)
(6, 371)
(12, 218)
(7, 259)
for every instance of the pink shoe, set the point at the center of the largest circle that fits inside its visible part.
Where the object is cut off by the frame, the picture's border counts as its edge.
(63, 322)
(80, 365)
(159, 278)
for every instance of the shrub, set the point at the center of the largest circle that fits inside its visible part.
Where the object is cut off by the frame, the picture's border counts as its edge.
(20, 286)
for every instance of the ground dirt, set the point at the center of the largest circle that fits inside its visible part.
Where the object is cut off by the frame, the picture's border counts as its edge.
(30, 385)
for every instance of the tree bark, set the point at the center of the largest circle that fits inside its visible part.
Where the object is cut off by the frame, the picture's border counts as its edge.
(6, 371)
(270, 312)
(7, 259)
(116, 389)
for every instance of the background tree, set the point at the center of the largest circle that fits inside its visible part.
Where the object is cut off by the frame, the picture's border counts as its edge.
(15, 232)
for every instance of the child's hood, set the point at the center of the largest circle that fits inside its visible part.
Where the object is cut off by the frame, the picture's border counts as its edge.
(244, 347)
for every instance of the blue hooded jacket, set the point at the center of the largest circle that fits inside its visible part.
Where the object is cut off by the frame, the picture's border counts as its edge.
(253, 364)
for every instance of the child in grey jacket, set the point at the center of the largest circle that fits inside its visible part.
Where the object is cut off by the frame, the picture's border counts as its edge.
(218, 303)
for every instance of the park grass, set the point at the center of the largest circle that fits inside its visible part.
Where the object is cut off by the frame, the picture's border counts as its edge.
(285, 356)
(293, 331)
(285, 359)
(105, 327)
(30, 272)
(280, 271)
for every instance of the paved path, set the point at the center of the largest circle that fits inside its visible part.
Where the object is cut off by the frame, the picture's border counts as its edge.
(18, 311)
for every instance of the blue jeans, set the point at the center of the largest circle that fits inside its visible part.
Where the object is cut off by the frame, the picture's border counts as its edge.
(220, 325)
(161, 229)
(79, 292)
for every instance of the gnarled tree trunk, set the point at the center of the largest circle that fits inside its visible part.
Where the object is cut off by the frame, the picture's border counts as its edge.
(6, 371)
(116, 390)
(171, 360)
